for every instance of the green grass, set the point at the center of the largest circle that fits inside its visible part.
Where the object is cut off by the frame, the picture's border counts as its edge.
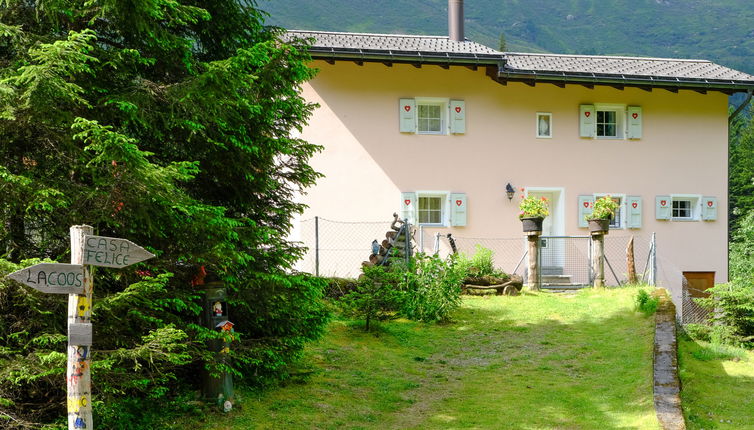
(538, 361)
(717, 385)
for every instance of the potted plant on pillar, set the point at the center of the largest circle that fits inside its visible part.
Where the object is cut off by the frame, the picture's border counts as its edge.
(533, 212)
(602, 211)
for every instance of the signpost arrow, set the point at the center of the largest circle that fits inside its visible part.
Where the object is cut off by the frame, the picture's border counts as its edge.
(55, 278)
(113, 252)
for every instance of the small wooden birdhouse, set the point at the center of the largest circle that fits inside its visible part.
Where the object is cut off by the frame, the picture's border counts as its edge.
(225, 326)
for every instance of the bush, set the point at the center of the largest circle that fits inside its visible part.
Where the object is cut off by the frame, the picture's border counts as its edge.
(433, 288)
(733, 311)
(646, 303)
(480, 264)
(377, 295)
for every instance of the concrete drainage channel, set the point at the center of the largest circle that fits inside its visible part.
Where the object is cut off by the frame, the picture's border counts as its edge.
(667, 386)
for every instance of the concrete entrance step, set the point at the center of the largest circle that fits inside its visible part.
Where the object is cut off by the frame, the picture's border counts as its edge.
(563, 286)
(555, 279)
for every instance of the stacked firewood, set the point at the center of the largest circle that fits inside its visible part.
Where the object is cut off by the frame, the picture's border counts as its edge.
(395, 245)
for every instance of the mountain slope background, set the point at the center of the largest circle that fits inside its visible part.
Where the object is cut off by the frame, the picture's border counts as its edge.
(717, 30)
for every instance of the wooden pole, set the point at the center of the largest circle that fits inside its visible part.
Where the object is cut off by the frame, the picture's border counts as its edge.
(631, 262)
(598, 259)
(78, 372)
(532, 281)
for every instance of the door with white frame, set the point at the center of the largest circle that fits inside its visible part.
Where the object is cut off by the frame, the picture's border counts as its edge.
(552, 250)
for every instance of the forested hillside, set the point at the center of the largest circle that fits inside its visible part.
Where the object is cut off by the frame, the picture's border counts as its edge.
(718, 30)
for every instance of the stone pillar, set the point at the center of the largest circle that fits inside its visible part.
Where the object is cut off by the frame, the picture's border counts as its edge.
(532, 281)
(598, 258)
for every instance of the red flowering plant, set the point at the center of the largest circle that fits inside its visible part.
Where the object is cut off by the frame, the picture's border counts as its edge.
(604, 208)
(533, 207)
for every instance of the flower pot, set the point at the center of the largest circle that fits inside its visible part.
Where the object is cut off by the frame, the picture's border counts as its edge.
(532, 224)
(599, 225)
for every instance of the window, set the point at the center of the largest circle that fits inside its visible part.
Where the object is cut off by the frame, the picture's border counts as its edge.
(609, 121)
(431, 209)
(430, 118)
(544, 125)
(682, 209)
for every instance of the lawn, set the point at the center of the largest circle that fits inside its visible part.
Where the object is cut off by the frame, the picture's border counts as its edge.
(718, 385)
(539, 361)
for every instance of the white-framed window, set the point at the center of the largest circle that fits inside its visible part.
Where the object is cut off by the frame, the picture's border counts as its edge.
(431, 210)
(431, 116)
(619, 216)
(685, 207)
(544, 125)
(610, 121)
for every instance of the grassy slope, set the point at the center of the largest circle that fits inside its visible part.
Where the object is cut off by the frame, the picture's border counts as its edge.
(532, 362)
(718, 30)
(718, 386)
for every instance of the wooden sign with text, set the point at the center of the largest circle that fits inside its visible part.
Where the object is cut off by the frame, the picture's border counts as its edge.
(113, 252)
(55, 278)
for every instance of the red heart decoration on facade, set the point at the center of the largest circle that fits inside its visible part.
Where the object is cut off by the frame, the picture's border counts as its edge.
(587, 114)
(635, 115)
(407, 108)
(459, 202)
(663, 202)
(586, 204)
(458, 109)
(407, 202)
(709, 203)
(634, 205)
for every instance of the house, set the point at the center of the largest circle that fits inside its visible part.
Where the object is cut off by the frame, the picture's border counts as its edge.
(437, 127)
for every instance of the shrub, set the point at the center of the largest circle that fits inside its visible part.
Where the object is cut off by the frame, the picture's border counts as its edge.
(480, 264)
(433, 288)
(646, 303)
(377, 295)
(733, 306)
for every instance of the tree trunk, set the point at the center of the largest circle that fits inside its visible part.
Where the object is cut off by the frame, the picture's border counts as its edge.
(631, 262)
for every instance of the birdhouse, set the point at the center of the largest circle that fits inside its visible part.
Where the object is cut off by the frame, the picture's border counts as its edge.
(225, 326)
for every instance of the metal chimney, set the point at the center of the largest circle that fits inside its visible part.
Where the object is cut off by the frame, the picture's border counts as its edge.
(455, 20)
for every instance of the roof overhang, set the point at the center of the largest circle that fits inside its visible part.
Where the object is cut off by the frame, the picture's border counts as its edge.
(404, 57)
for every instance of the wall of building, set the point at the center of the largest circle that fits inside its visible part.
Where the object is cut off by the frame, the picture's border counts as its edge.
(368, 162)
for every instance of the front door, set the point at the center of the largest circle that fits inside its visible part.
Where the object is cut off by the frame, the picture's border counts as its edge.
(552, 250)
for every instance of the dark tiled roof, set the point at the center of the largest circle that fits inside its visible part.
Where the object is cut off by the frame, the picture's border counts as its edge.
(623, 66)
(512, 66)
(396, 46)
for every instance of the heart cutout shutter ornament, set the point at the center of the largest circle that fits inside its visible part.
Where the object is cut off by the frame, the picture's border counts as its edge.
(459, 202)
(458, 109)
(587, 113)
(635, 115)
(407, 202)
(663, 202)
(586, 204)
(407, 108)
(634, 205)
(709, 203)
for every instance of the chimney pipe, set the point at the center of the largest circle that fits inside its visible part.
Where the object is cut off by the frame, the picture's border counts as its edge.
(455, 20)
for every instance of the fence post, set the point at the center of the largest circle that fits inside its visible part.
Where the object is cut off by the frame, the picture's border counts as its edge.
(421, 239)
(316, 246)
(532, 281)
(653, 273)
(598, 258)
(437, 243)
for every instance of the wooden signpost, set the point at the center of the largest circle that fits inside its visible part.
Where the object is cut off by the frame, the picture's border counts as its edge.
(76, 280)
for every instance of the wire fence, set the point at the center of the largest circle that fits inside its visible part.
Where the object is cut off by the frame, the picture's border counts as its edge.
(338, 248)
(691, 311)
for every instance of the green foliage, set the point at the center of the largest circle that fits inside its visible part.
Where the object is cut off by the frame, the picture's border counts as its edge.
(604, 208)
(733, 312)
(378, 295)
(480, 264)
(741, 174)
(533, 207)
(172, 124)
(433, 288)
(646, 303)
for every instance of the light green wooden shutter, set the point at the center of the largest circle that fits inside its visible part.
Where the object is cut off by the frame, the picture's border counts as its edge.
(709, 208)
(635, 117)
(458, 209)
(457, 116)
(633, 212)
(662, 207)
(586, 204)
(408, 206)
(407, 115)
(587, 121)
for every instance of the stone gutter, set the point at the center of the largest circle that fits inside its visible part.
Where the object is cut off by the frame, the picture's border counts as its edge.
(667, 385)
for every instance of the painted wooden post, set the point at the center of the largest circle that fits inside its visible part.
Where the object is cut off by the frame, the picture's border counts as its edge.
(598, 258)
(532, 281)
(631, 262)
(78, 371)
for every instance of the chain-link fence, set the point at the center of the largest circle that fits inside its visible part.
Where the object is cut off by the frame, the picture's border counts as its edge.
(691, 311)
(337, 248)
